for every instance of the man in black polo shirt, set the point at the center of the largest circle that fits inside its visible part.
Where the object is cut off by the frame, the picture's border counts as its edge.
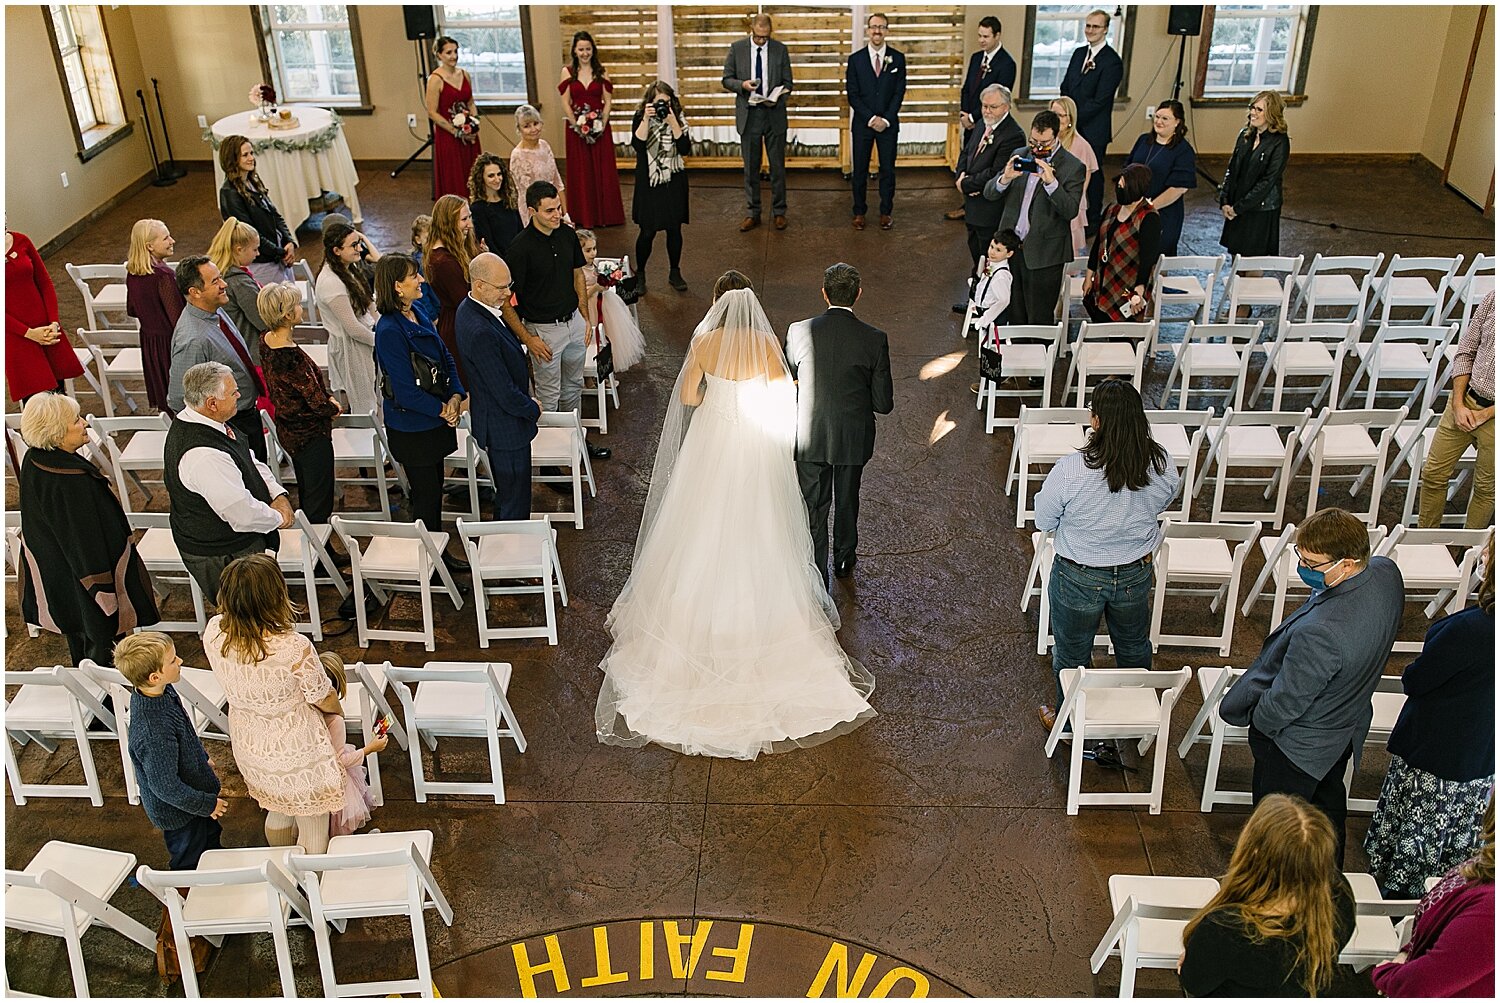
(546, 265)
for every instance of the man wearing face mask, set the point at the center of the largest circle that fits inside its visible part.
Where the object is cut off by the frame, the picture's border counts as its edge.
(1306, 697)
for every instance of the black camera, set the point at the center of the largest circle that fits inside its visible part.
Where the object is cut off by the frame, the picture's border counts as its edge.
(661, 106)
(1026, 163)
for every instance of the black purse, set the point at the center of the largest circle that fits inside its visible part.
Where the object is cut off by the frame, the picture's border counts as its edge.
(430, 377)
(990, 365)
(604, 358)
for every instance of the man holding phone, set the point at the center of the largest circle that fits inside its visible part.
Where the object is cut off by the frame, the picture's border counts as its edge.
(758, 72)
(1040, 188)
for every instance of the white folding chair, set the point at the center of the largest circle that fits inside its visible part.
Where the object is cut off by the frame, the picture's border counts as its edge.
(559, 442)
(359, 442)
(1247, 284)
(1043, 435)
(1112, 349)
(1281, 568)
(1316, 350)
(55, 702)
(1400, 352)
(110, 299)
(1359, 439)
(1213, 683)
(1378, 924)
(303, 550)
(1425, 559)
(232, 891)
(205, 701)
(1177, 284)
(1342, 281)
(366, 875)
(307, 286)
(158, 551)
(457, 699)
(468, 465)
(1150, 914)
(1201, 553)
(400, 557)
(1258, 440)
(1385, 709)
(63, 892)
(1413, 284)
(1071, 293)
(604, 392)
(113, 682)
(1117, 703)
(1182, 434)
(14, 555)
(116, 357)
(1469, 289)
(1038, 577)
(1026, 351)
(363, 704)
(507, 552)
(145, 450)
(1214, 351)
(1413, 440)
(93, 373)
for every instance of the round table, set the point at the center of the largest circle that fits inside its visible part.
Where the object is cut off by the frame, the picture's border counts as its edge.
(294, 176)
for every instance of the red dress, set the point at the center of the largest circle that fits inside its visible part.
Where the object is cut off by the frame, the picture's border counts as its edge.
(30, 301)
(593, 176)
(452, 159)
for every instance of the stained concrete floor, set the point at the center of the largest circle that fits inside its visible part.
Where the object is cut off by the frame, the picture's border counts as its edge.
(934, 839)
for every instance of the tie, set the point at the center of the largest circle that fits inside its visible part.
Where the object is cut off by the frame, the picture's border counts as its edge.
(239, 349)
(984, 68)
(760, 76)
(230, 432)
(879, 63)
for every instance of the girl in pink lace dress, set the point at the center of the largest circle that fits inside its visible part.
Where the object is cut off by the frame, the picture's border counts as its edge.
(532, 160)
(358, 801)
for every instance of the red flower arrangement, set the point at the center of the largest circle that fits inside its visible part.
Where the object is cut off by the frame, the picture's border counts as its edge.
(465, 121)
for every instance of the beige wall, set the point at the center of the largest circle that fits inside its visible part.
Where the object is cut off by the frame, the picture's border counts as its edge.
(39, 144)
(1450, 81)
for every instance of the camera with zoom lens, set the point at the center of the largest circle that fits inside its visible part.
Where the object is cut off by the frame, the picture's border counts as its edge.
(661, 106)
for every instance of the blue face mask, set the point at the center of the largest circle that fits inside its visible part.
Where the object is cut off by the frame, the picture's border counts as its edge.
(1314, 580)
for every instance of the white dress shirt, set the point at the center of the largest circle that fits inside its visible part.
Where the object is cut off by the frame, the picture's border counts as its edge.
(765, 62)
(212, 474)
(877, 57)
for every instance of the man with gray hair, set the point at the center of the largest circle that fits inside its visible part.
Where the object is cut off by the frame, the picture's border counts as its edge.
(225, 502)
(983, 157)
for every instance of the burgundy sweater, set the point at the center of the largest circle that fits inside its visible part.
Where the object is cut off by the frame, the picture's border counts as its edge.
(1452, 948)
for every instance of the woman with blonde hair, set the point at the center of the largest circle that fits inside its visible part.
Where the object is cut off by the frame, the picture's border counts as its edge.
(232, 251)
(1250, 197)
(450, 248)
(152, 297)
(532, 160)
(305, 408)
(1282, 913)
(243, 195)
(1068, 138)
(276, 688)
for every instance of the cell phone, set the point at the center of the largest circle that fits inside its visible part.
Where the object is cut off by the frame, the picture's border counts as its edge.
(1026, 164)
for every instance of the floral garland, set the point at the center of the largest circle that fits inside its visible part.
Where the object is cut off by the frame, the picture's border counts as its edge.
(316, 142)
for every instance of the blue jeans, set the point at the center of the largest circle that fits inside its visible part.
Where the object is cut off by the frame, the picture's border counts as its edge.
(1079, 596)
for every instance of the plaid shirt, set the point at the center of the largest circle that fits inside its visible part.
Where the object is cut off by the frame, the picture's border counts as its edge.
(1116, 262)
(1476, 350)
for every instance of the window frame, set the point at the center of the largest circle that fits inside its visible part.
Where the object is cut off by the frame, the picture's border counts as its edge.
(1024, 97)
(1301, 58)
(488, 102)
(95, 139)
(270, 72)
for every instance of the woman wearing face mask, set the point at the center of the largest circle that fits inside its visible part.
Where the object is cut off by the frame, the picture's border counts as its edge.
(1117, 285)
(1250, 197)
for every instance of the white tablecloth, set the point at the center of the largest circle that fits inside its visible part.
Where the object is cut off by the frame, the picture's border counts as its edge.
(293, 178)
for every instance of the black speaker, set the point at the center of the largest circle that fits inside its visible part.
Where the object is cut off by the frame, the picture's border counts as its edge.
(1181, 20)
(421, 22)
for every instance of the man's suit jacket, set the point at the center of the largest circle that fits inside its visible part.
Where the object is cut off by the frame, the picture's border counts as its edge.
(1309, 689)
(502, 414)
(1094, 93)
(980, 165)
(1002, 71)
(1049, 241)
(870, 95)
(196, 340)
(739, 66)
(843, 371)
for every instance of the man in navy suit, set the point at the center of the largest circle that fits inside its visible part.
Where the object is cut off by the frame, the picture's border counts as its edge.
(876, 82)
(990, 65)
(1093, 77)
(503, 413)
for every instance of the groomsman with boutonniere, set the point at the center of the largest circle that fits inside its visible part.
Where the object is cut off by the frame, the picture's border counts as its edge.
(876, 84)
(1093, 76)
(991, 64)
(995, 136)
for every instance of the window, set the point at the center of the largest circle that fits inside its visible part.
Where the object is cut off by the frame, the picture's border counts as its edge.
(87, 71)
(311, 53)
(1053, 31)
(492, 46)
(1253, 47)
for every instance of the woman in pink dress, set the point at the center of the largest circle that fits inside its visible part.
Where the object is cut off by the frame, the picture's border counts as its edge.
(532, 160)
(358, 799)
(1075, 144)
(593, 176)
(454, 150)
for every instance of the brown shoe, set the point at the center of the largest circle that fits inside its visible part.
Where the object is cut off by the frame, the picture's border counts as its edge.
(886, 223)
(1048, 717)
(749, 223)
(780, 222)
(859, 222)
(954, 213)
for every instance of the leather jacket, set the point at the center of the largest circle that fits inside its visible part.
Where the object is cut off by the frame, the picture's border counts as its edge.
(1252, 182)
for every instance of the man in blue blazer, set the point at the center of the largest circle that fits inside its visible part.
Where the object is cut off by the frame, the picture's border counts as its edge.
(1306, 697)
(876, 83)
(502, 411)
(1093, 76)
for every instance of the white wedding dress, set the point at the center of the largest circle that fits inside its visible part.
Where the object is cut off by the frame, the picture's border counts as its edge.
(724, 640)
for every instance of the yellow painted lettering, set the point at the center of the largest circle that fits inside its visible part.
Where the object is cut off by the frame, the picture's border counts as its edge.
(648, 951)
(917, 979)
(603, 975)
(675, 942)
(836, 966)
(740, 953)
(527, 972)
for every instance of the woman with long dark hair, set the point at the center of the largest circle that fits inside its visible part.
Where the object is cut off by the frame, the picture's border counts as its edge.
(1102, 504)
(1174, 168)
(660, 137)
(450, 93)
(492, 204)
(593, 175)
(244, 196)
(345, 292)
(1282, 914)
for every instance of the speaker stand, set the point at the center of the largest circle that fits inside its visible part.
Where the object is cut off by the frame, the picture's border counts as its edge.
(1181, 53)
(423, 72)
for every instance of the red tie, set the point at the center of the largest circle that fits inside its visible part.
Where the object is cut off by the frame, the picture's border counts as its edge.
(879, 63)
(239, 349)
(230, 432)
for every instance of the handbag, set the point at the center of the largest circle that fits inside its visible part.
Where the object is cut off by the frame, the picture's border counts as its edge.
(990, 365)
(430, 377)
(604, 358)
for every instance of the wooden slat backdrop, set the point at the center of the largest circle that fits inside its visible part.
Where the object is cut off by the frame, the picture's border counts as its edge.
(626, 37)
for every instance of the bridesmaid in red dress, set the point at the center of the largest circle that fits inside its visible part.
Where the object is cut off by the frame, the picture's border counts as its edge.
(38, 356)
(453, 153)
(593, 176)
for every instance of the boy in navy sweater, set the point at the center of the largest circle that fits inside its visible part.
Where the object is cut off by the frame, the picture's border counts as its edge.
(178, 787)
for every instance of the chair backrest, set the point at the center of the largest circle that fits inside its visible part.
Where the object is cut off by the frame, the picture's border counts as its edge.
(1232, 532)
(1230, 334)
(1053, 416)
(1432, 338)
(1053, 334)
(1168, 264)
(1373, 418)
(1117, 330)
(479, 673)
(1361, 264)
(1445, 267)
(1332, 332)
(1286, 264)
(1280, 419)
(1469, 539)
(110, 342)
(1187, 419)
(87, 273)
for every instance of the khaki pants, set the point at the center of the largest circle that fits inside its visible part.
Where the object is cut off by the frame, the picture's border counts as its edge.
(1448, 444)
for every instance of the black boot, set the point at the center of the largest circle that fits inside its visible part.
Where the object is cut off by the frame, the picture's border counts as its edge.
(676, 281)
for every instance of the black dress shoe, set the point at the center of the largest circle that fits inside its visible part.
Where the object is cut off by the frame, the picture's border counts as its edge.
(843, 569)
(456, 564)
(600, 452)
(346, 608)
(960, 307)
(676, 281)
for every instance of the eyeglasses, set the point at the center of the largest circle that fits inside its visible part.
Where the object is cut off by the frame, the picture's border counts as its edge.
(1256, 107)
(1308, 564)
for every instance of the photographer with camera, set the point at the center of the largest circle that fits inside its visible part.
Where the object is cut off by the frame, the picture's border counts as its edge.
(1040, 208)
(660, 137)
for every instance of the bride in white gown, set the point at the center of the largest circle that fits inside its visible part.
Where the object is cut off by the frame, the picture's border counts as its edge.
(724, 638)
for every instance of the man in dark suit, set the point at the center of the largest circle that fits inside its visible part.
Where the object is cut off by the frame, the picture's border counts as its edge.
(753, 70)
(843, 372)
(876, 83)
(983, 157)
(502, 411)
(1306, 697)
(1093, 76)
(1039, 190)
(990, 65)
